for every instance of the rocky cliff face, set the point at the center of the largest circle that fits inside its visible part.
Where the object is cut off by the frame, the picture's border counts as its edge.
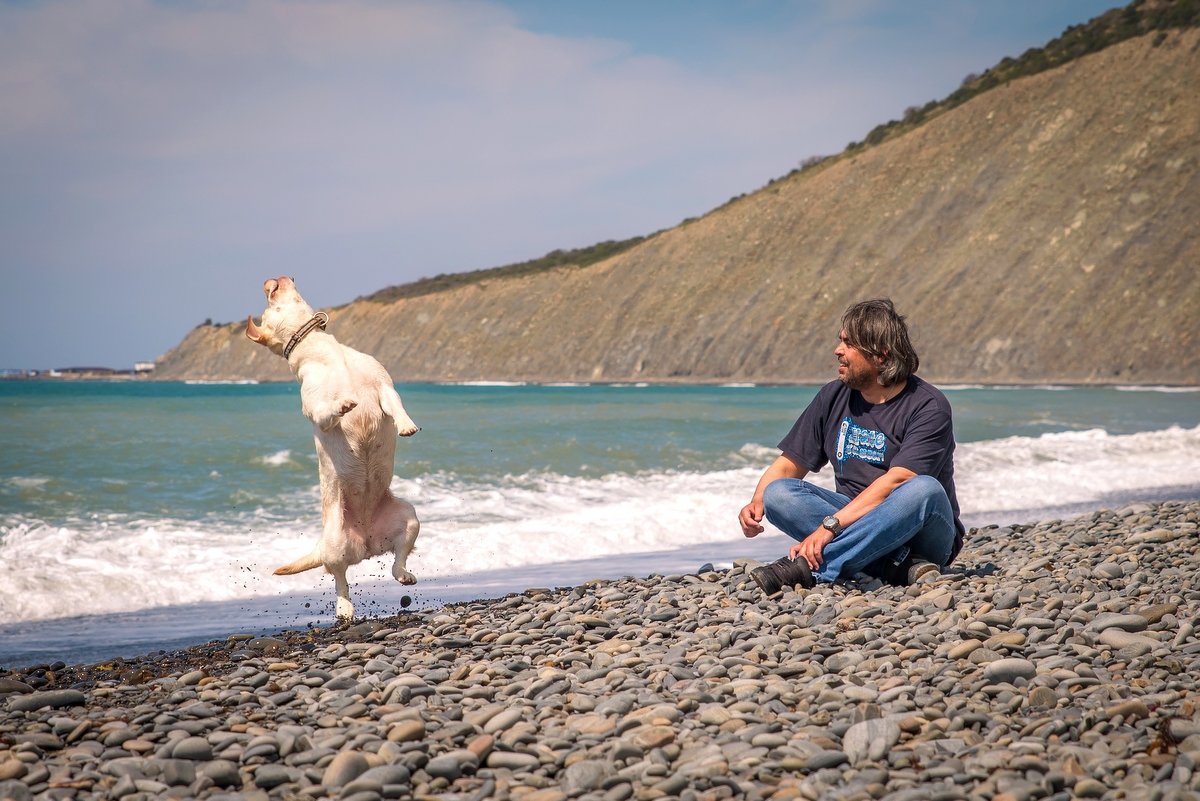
(1044, 231)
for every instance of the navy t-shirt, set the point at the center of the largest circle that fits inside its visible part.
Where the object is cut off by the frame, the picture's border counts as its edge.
(864, 440)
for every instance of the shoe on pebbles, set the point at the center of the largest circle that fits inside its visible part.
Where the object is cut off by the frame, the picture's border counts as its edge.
(783, 572)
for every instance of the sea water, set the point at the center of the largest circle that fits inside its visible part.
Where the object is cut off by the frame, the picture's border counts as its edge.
(136, 516)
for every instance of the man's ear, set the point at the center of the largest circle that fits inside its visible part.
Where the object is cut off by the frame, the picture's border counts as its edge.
(254, 332)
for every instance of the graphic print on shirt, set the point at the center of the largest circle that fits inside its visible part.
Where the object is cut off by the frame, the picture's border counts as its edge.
(856, 442)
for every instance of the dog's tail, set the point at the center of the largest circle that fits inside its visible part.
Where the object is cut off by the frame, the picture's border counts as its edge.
(300, 565)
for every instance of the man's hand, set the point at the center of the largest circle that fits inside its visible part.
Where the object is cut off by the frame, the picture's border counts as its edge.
(809, 549)
(752, 513)
(751, 518)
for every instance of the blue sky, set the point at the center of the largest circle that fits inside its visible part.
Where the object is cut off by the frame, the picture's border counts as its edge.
(159, 160)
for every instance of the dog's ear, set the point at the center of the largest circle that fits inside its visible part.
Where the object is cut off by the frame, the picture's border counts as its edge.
(254, 332)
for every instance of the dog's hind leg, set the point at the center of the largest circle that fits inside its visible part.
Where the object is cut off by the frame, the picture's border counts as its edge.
(345, 609)
(398, 521)
(404, 547)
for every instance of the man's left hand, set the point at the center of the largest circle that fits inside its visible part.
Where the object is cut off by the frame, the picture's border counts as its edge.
(809, 549)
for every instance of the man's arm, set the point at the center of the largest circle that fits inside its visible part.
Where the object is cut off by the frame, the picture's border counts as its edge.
(751, 515)
(877, 491)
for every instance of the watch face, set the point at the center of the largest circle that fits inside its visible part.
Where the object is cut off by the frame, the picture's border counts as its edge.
(830, 523)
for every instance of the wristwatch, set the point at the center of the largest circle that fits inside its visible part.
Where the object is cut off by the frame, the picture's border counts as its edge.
(832, 524)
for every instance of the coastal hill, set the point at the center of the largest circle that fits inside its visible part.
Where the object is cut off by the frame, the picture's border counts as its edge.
(1043, 230)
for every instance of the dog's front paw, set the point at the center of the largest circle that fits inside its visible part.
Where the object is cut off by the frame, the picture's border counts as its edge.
(407, 429)
(346, 406)
(345, 609)
(403, 576)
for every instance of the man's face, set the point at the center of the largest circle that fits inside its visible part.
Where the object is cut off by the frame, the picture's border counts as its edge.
(855, 369)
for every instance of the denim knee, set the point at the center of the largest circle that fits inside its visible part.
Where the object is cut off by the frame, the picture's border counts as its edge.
(925, 487)
(929, 493)
(784, 506)
(796, 507)
(935, 539)
(778, 493)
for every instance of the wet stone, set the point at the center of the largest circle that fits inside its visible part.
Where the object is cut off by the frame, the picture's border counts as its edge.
(513, 760)
(14, 790)
(54, 699)
(345, 767)
(1043, 697)
(1009, 670)
(1112, 620)
(12, 686)
(584, 776)
(452, 765)
(406, 731)
(193, 748)
(870, 740)
(385, 775)
(269, 776)
(1137, 644)
(222, 773)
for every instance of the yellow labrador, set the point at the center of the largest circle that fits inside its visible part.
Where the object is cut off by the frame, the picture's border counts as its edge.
(356, 415)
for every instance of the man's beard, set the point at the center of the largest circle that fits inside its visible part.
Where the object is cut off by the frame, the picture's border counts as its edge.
(856, 379)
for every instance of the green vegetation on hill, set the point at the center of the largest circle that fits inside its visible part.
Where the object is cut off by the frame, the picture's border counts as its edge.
(1113, 26)
(579, 257)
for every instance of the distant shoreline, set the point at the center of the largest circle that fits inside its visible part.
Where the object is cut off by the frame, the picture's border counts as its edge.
(77, 374)
(99, 374)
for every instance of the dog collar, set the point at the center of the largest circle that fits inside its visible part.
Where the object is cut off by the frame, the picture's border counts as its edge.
(319, 320)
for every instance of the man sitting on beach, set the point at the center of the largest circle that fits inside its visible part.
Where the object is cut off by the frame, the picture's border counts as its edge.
(890, 439)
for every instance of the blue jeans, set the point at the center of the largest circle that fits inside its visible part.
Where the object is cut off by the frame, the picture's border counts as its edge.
(916, 517)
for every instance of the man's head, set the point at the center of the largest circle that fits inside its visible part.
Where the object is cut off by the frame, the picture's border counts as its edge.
(879, 334)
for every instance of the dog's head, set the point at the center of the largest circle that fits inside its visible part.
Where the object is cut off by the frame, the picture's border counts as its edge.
(285, 314)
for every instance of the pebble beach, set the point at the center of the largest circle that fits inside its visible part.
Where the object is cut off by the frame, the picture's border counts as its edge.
(1055, 660)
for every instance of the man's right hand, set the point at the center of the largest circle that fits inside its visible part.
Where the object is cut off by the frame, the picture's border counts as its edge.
(752, 513)
(751, 518)
(811, 549)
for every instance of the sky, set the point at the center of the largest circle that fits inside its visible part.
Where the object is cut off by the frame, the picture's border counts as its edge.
(160, 159)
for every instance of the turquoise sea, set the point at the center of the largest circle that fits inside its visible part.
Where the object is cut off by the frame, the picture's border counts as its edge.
(136, 516)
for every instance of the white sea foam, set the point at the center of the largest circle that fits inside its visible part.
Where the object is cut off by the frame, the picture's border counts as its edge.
(486, 383)
(28, 482)
(520, 522)
(1170, 390)
(278, 458)
(1073, 468)
(87, 568)
(1010, 387)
